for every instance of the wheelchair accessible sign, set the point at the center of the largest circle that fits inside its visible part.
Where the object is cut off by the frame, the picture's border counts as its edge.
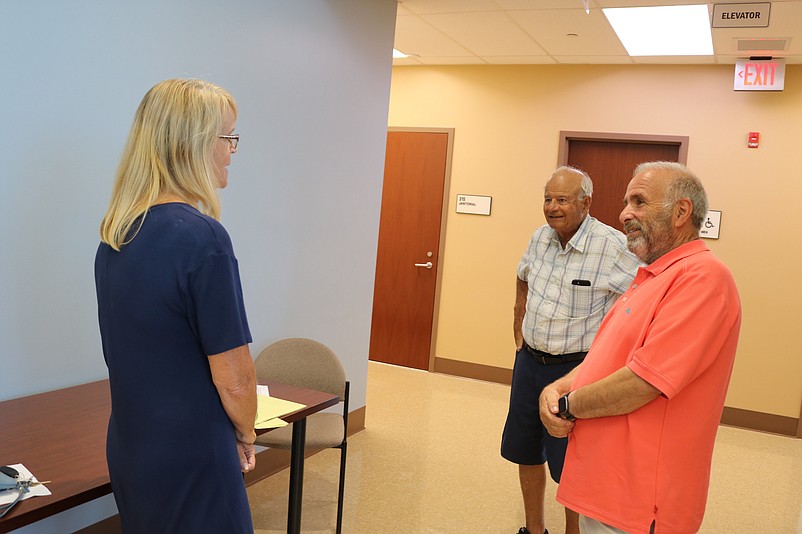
(711, 225)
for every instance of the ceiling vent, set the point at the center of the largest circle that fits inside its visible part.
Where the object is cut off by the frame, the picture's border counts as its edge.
(762, 45)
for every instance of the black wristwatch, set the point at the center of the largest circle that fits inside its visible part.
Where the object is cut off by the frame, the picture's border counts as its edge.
(562, 405)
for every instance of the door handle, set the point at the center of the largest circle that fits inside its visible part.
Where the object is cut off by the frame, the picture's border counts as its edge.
(428, 265)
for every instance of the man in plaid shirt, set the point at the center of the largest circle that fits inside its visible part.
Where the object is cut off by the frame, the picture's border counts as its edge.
(573, 270)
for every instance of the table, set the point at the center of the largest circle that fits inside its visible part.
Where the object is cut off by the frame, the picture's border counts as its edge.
(61, 436)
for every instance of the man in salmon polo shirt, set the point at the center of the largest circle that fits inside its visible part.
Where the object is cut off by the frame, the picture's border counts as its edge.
(642, 410)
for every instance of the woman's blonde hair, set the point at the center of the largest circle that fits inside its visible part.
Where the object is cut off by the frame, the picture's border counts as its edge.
(168, 153)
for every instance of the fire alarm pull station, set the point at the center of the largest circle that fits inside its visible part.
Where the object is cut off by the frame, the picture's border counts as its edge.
(754, 139)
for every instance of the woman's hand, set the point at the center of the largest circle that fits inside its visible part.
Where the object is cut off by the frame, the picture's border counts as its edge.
(247, 456)
(248, 438)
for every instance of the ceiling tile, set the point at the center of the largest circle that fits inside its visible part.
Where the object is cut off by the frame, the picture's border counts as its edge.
(472, 60)
(486, 34)
(520, 60)
(448, 6)
(594, 60)
(544, 4)
(570, 32)
(415, 36)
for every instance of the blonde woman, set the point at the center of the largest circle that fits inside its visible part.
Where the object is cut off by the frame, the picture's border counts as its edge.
(172, 321)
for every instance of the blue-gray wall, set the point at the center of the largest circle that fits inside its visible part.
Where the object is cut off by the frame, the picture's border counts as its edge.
(311, 78)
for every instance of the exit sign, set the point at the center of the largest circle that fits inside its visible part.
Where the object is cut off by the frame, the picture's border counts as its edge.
(759, 75)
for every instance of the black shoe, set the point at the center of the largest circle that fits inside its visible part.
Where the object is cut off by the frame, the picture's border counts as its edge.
(524, 530)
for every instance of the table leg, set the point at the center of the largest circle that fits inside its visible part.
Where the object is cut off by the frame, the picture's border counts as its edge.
(296, 476)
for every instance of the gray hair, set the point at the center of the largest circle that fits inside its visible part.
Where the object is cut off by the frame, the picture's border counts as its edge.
(587, 183)
(682, 184)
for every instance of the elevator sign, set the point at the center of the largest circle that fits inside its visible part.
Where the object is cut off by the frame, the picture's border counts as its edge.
(741, 15)
(759, 75)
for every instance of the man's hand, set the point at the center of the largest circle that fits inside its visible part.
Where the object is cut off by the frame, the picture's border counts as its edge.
(555, 425)
(521, 293)
(518, 335)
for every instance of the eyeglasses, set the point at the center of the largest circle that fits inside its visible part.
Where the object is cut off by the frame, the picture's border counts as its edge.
(233, 140)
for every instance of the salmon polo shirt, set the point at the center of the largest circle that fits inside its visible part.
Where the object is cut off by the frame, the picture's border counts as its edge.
(677, 328)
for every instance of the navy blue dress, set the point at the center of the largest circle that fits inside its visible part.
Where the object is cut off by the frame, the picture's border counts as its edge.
(166, 301)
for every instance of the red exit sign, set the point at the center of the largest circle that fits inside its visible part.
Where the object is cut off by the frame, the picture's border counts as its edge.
(759, 75)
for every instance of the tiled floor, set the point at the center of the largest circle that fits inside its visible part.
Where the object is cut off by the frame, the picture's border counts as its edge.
(428, 462)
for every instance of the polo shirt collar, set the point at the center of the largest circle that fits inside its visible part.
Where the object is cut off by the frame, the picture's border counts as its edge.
(671, 257)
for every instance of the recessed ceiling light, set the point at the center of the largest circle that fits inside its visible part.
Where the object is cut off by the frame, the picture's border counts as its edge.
(397, 54)
(663, 30)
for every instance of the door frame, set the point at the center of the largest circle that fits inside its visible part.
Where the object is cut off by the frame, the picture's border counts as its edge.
(443, 220)
(799, 424)
(655, 139)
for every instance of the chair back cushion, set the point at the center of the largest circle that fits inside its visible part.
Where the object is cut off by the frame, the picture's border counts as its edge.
(304, 363)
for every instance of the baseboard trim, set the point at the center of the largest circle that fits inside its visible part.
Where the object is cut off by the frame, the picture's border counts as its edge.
(764, 422)
(268, 462)
(737, 417)
(356, 421)
(110, 525)
(487, 373)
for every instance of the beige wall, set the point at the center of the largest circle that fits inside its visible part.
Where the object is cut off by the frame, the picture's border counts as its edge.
(507, 121)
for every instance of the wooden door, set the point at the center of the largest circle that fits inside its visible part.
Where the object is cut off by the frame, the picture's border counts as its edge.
(409, 246)
(610, 163)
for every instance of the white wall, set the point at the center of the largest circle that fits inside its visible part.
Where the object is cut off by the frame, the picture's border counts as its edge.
(312, 82)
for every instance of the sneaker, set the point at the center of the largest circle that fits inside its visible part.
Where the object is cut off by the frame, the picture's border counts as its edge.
(524, 530)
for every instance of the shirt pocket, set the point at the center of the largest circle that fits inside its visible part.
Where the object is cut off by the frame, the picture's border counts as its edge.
(585, 301)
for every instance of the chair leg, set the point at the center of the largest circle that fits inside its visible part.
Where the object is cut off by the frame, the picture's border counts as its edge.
(341, 496)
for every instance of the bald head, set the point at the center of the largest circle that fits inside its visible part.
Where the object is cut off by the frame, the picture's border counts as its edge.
(566, 201)
(574, 176)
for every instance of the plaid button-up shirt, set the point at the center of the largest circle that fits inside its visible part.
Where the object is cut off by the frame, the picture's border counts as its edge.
(571, 289)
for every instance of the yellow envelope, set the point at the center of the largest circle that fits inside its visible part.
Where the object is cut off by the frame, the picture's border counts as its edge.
(270, 423)
(269, 408)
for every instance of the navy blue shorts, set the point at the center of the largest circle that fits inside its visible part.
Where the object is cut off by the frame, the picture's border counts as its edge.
(525, 440)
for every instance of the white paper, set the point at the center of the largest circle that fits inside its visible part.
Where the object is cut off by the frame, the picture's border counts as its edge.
(8, 496)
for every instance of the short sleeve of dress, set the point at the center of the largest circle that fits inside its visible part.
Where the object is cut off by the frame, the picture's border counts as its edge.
(216, 306)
